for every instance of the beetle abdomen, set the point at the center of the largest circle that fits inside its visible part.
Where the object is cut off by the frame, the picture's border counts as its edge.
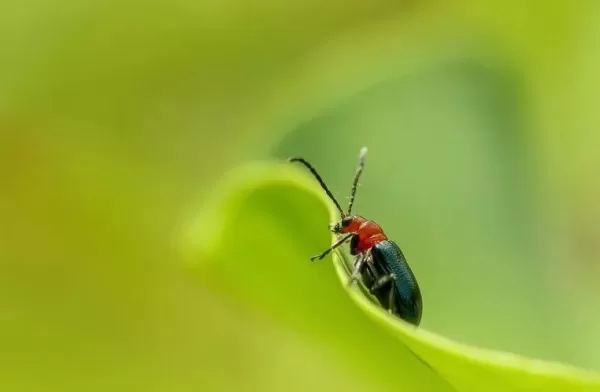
(407, 299)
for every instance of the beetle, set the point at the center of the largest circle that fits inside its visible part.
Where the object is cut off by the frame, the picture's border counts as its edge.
(379, 262)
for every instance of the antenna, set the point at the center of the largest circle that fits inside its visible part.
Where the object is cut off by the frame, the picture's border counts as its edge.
(321, 182)
(361, 165)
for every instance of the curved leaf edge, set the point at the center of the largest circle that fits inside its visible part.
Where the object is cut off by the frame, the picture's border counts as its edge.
(243, 180)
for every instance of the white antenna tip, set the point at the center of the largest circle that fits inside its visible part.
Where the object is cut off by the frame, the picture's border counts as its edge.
(363, 152)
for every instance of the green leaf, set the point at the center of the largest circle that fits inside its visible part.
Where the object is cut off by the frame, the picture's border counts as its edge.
(252, 244)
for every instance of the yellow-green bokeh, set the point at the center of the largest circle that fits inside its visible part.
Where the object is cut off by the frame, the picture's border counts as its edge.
(118, 118)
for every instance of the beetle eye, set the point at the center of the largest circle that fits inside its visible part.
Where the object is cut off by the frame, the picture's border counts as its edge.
(341, 225)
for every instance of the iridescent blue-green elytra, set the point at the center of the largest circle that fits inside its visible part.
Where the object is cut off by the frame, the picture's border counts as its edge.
(402, 295)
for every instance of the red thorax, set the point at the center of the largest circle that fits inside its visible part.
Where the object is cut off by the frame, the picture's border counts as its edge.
(369, 233)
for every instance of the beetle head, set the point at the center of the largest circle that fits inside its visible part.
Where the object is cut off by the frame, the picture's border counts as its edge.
(342, 226)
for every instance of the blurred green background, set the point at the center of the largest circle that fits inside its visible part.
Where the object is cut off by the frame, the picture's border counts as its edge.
(117, 119)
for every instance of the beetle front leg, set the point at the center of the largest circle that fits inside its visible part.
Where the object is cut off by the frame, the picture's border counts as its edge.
(320, 256)
(359, 265)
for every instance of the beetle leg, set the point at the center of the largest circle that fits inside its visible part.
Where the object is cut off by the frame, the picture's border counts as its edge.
(382, 281)
(358, 268)
(392, 303)
(371, 266)
(320, 256)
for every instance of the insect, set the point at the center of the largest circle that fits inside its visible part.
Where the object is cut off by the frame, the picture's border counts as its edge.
(379, 262)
